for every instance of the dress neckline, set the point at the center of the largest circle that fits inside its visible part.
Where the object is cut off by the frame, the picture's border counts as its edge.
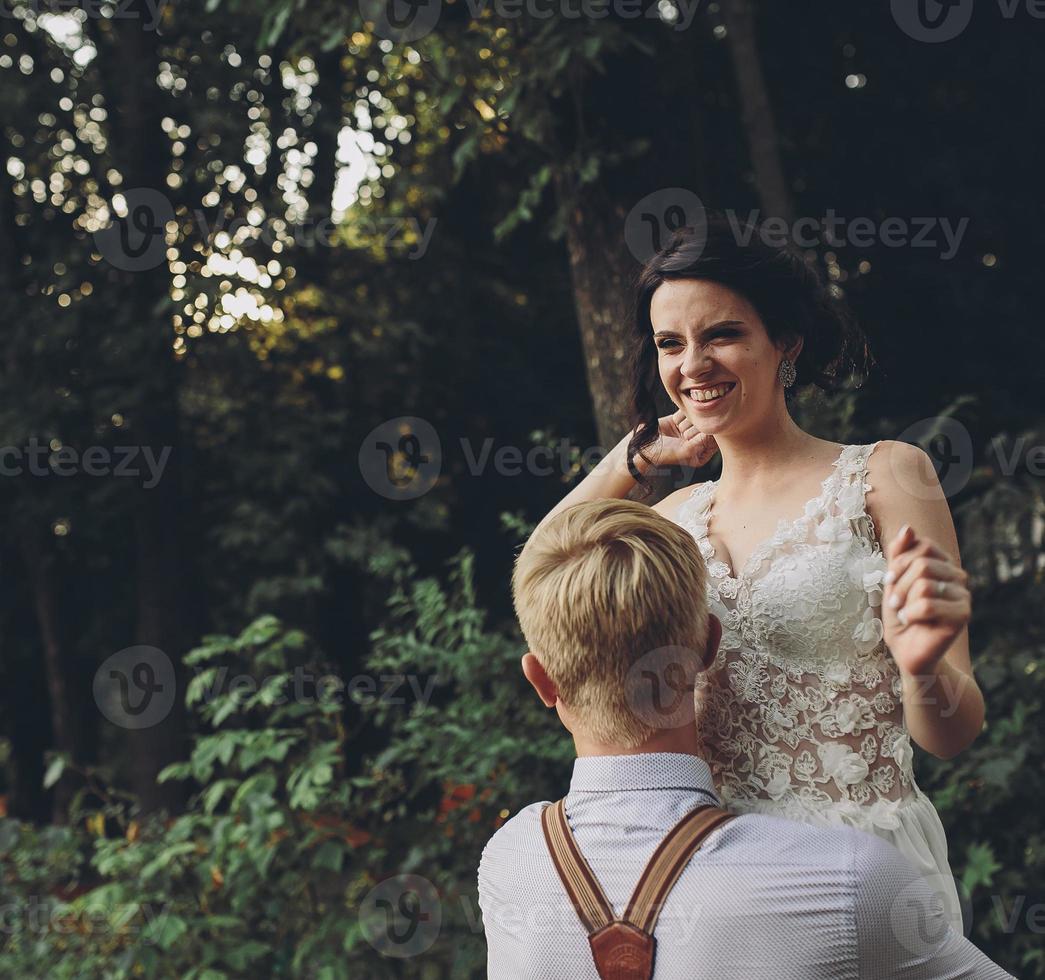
(758, 555)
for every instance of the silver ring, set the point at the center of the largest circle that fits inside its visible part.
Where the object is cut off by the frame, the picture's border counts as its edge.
(941, 587)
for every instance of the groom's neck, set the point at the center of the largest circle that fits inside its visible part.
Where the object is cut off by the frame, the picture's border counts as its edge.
(682, 740)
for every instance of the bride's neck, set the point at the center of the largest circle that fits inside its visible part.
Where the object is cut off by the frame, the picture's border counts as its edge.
(747, 457)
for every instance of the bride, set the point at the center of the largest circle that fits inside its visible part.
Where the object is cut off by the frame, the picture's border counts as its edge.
(834, 569)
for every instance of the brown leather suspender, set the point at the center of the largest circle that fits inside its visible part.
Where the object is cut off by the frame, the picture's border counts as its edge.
(623, 948)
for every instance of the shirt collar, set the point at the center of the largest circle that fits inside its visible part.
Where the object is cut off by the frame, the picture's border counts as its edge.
(648, 770)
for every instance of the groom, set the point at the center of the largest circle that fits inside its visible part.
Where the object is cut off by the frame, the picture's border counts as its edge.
(611, 599)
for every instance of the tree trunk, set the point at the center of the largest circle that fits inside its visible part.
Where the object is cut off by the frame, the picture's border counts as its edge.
(635, 96)
(600, 270)
(164, 586)
(66, 732)
(757, 113)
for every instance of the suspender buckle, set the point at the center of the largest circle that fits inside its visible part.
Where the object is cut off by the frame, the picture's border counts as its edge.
(622, 952)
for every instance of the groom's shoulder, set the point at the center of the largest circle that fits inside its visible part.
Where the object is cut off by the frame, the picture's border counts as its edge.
(512, 863)
(777, 840)
(774, 836)
(520, 833)
(768, 841)
(747, 835)
(753, 831)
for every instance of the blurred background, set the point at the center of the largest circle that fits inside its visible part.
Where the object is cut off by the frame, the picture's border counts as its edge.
(312, 310)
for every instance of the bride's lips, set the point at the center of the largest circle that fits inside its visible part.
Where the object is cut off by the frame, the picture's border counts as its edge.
(714, 402)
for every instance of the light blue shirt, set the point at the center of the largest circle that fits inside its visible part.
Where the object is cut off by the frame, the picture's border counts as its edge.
(764, 897)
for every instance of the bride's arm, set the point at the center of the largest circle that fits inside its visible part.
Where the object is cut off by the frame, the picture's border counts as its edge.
(610, 479)
(678, 442)
(926, 624)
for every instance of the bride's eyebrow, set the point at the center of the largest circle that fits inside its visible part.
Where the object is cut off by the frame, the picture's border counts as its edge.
(707, 329)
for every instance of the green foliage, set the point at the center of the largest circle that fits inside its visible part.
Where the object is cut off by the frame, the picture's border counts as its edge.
(290, 824)
(989, 797)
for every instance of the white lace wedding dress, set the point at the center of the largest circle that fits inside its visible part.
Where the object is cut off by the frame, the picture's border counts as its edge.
(803, 716)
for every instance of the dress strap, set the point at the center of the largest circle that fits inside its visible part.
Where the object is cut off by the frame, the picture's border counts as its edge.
(852, 493)
(693, 515)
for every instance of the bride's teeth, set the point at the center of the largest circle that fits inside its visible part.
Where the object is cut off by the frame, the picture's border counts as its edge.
(709, 394)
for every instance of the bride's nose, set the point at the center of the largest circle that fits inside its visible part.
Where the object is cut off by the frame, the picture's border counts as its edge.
(696, 363)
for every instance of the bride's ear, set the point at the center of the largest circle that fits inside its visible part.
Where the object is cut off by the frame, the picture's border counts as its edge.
(714, 639)
(535, 673)
(792, 347)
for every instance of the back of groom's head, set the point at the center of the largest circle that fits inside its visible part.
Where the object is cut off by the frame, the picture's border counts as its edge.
(599, 587)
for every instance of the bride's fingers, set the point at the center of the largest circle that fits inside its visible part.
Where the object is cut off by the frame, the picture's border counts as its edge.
(925, 566)
(706, 446)
(903, 551)
(933, 591)
(919, 578)
(939, 612)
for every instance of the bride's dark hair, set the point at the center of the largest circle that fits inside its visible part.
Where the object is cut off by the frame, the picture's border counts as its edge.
(788, 292)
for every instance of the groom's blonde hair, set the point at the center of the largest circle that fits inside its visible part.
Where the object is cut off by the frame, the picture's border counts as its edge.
(598, 587)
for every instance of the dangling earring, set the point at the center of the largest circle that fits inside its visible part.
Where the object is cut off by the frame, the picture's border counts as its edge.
(787, 373)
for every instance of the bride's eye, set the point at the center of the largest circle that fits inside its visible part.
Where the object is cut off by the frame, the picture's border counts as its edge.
(724, 332)
(663, 344)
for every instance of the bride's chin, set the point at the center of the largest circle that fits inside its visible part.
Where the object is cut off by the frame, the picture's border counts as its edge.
(711, 426)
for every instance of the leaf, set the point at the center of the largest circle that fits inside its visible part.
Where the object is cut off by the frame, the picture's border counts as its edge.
(176, 770)
(980, 866)
(447, 102)
(269, 37)
(214, 793)
(54, 771)
(201, 682)
(226, 708)
(165, 930)
(260, 785)
(464, 154)
(160, 862)
(240, 957)
(329, 856)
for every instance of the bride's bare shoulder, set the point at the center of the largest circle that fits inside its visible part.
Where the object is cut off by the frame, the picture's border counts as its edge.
(669, 506)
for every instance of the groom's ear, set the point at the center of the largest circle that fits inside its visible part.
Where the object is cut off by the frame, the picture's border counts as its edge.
(542, 683)
(714, 638)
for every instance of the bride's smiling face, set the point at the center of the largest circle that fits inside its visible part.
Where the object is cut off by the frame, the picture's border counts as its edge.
(711, 342)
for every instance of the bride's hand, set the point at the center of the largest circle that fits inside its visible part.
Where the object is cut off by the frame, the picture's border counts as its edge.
(926, 603)
(681, 443)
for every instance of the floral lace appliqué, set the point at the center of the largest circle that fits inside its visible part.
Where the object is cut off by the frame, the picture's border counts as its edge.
(802, 706)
